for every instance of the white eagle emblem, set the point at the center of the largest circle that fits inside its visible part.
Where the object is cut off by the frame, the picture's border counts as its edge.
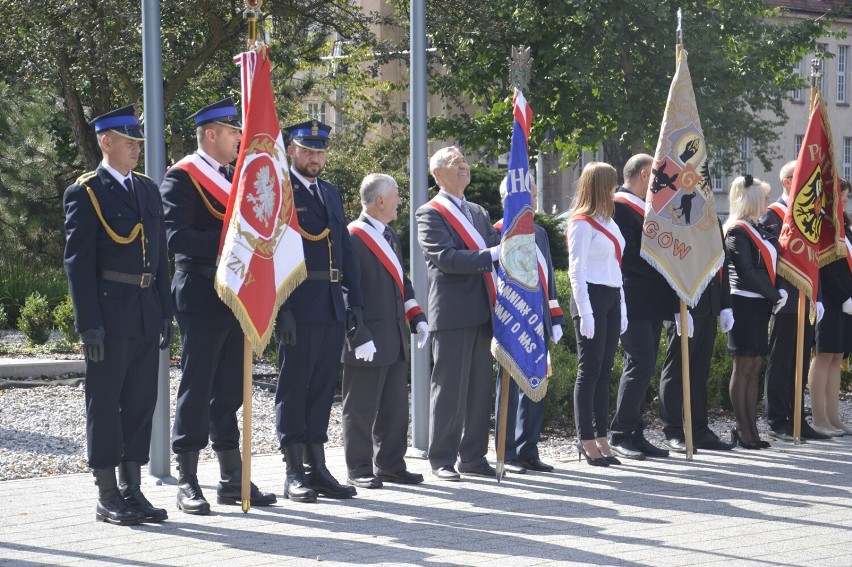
(264, 199)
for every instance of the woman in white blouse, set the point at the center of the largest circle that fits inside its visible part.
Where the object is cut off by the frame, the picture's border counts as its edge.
(595, 245)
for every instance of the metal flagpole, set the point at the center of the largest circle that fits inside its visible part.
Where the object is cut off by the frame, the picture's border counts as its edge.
(159, 464)
(684, 325)
(251, 15)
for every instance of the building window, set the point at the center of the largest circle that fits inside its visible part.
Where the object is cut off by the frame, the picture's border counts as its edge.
(405, 111)
(718, 175)
(847, 159)
(842, 73)
(315, 111)
(823, 67)
(798, 140)
(745, 155)
(796, 94)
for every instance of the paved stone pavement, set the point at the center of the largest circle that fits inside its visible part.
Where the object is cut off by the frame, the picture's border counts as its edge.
(789, 505)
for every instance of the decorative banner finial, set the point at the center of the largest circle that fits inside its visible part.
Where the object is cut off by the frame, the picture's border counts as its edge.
(252, 14)
(520, 67)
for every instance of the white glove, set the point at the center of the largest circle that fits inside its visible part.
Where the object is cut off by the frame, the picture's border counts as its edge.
(847, 307)
(556, 333)
(726, 319)
(690, 328)
(781, 301)
(366, 351)
(623, 321)
(422, 334)
(587, 326)
(820, 311)
(495, 253)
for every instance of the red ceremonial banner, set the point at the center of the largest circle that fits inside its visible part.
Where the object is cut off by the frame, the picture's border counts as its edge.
(812, 234)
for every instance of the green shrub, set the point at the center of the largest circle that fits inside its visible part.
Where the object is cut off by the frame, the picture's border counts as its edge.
(36, 321)
(174, 346)
(63, 317)
(18, 281)
(4, 317)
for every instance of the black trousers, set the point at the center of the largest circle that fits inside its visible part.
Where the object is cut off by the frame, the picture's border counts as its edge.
(121, 392)
(595, 359)
(306, 380)
(780, 378)
(375, 417)
(211, 383)
(671, 379)
(640, 344)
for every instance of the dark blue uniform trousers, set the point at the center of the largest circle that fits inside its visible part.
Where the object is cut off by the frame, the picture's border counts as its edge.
(211, 384)
(306, 382)
(524, 420)
(121, 392)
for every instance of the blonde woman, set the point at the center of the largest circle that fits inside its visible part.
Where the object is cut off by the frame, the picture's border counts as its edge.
(595, 246)
(752, 254)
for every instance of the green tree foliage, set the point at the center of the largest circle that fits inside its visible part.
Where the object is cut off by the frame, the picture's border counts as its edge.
(602, 71)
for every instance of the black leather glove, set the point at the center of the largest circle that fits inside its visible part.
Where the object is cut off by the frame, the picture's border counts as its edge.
(167, 334)
(285, 330)
(354, 319)
(93, 344)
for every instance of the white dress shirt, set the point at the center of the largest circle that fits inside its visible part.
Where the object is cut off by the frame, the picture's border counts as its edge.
(592, 260)
(118, 176)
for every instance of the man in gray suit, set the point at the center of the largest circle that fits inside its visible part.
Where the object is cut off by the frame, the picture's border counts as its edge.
(460, 246)
(375, 360)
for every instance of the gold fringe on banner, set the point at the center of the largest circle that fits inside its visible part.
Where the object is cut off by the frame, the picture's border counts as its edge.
(506, 361)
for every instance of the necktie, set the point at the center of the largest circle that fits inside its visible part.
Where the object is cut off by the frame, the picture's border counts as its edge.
(128, 184)
(387, 234)
(315, 193)
(466, 210)
(225, 171)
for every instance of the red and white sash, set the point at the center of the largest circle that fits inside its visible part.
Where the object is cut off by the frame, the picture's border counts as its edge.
(377, 244)
(209, 177)
(471, 237)
(767, 251)
(780, 209)
(553, 304)
(602, 229)
(632, 201)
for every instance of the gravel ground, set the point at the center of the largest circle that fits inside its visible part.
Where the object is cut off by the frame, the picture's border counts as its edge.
(43, 429)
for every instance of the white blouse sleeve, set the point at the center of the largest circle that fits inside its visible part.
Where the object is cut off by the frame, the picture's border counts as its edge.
(579, 240)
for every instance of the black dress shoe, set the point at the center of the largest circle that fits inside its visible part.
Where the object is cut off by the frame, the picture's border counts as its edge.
(713, 444)
(514, 467)
(648, 449)
(447, 472)
(536, 464)
(626, 450)
(365, 481)
(676, 445)
(401, 477)
(482, 470)
(809, 432)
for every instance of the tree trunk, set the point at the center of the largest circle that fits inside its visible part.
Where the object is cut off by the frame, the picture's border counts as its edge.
(87, 146)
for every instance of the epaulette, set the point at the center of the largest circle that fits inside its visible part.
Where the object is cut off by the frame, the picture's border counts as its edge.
(142, 175)
(85, 177)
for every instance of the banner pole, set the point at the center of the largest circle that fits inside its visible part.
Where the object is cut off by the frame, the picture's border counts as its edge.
(245, 487)
(501, 422)
(800, 344)
(687, 392)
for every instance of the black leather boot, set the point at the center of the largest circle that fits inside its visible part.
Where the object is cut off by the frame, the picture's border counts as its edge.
(229, 490)
(111, 506)
(319, 478)
(190, 499)
(129, 485)
(295, 487)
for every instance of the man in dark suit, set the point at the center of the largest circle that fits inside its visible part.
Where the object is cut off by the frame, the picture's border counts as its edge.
(780, 377)
(460, 246)
(375, 369)
(312, 322)
(195, 196)
(714, 302)
(650, 300)
(524, 417)
(118, 275)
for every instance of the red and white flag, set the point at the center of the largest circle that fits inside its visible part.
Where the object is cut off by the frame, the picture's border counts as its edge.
(261, 258)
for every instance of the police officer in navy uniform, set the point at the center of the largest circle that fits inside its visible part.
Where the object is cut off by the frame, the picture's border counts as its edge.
(194, 193)
(311, 325)
(118, 275)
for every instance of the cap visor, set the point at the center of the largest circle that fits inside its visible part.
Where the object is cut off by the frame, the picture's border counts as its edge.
(310, 144)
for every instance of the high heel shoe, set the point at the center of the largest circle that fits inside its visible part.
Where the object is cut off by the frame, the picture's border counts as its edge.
(594, 461)
(737, 441)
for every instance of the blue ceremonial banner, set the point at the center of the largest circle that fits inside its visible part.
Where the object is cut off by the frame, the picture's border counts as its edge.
(519, 344)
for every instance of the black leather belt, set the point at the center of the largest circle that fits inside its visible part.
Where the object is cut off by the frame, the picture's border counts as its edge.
(332, 275)
(142, 280)
(191, 268)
